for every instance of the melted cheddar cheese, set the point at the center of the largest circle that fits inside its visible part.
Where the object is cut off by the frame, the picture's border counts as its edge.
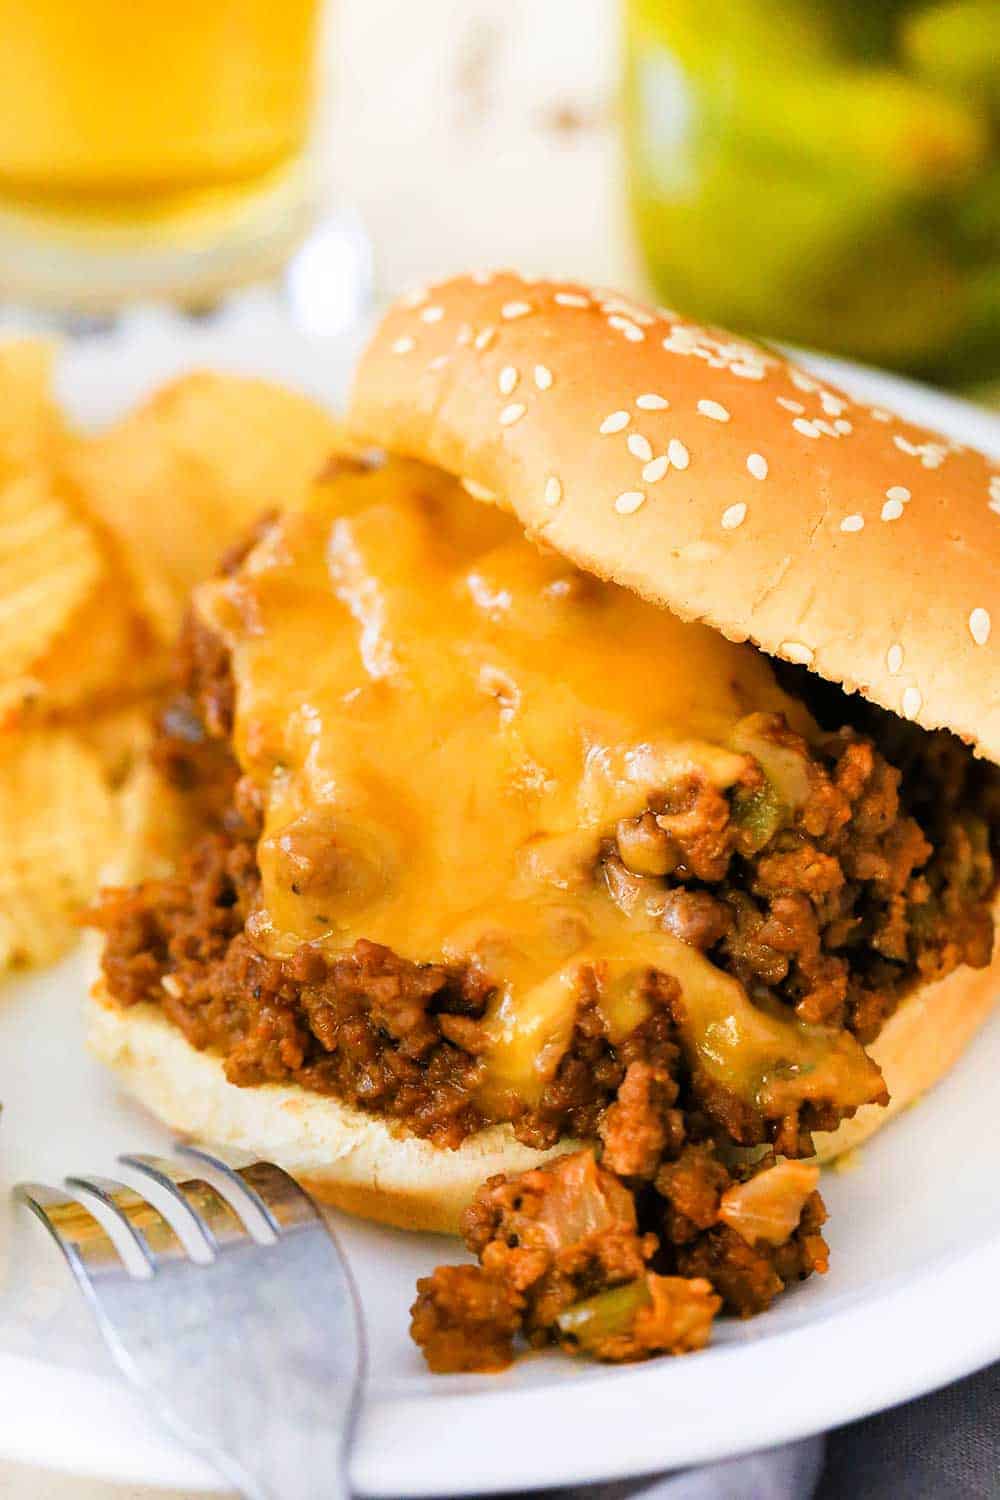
(445, 719)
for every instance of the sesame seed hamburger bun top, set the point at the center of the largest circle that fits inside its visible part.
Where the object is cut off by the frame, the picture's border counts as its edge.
(711, 476)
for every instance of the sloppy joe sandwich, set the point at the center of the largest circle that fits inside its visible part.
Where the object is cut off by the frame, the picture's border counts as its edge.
(588, 788)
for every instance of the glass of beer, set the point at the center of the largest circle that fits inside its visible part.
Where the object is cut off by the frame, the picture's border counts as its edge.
(151, 148)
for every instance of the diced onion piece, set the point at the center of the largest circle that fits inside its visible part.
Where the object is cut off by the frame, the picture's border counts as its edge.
(580, 1199)
(769, 1206)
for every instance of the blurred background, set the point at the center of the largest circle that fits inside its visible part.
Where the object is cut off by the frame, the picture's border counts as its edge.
(822, 171)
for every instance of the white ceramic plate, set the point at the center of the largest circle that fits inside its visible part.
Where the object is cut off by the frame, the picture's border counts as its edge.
(915, 1226)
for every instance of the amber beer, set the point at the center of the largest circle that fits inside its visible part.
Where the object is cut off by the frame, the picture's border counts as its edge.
(148, 125)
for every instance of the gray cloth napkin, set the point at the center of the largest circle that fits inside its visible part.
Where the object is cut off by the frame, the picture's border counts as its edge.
(945, 1446)
(942, 1447)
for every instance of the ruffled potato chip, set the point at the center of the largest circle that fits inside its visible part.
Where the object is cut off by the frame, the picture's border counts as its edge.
(31, 425)
(51, 566)
(183, 477)
(120, 738)
(105, 658)
(101, 541)
(57, 829)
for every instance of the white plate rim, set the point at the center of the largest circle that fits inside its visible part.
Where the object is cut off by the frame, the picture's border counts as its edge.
(578, 1432)
(603, 1426)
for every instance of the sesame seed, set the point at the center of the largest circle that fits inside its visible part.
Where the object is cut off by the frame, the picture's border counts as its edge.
(571, 299)
(892, 510)
(640, 447)
(678, 454)
(515, 310)
(822, 425)
(757, 465)
(852, 523)
(808, 429)
(438, 362)
(629, 502)
(404, 345)
(543, 377)
(994, 505)
(616, 422)
(979, 626)
(656, 469)
(464, 335)
(512, 413)
(912, 702)
(894, 658)
(797, 651)
(713, 409)
(651, 402)
(898, 492)
(843, 426)
(803, 382)
(879, 415)
(618, 305)
(485, 337)
(482, 278)
(432, 314)
(414, 298)
(831, 404)
(790, 405)
(734, 516)
(553, 490)
(625, 325)
(507, 380)
(477, 491)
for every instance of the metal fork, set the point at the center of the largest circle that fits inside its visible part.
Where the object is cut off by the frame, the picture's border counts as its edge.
(252, 1354)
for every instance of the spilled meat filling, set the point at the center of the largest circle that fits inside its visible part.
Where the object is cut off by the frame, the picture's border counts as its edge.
(478, 838)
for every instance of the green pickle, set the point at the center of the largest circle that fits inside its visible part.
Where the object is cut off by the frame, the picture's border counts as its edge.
(823, 172)
(957, 45)
(586, 1325)
(759, 816)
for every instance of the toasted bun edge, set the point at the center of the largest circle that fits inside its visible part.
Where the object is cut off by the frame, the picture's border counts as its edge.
(918, 1045)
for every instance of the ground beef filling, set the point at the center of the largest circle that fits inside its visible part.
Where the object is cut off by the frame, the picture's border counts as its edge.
(834, 910)
(618, 1268)
(834, 902)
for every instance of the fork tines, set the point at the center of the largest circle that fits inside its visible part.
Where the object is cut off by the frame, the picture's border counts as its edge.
(228, 1302)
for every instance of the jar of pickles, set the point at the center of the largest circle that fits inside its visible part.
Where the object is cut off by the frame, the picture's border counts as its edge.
(824, 171)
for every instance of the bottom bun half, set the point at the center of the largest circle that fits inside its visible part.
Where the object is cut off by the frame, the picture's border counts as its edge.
(345, 1157)
(358, 1162)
